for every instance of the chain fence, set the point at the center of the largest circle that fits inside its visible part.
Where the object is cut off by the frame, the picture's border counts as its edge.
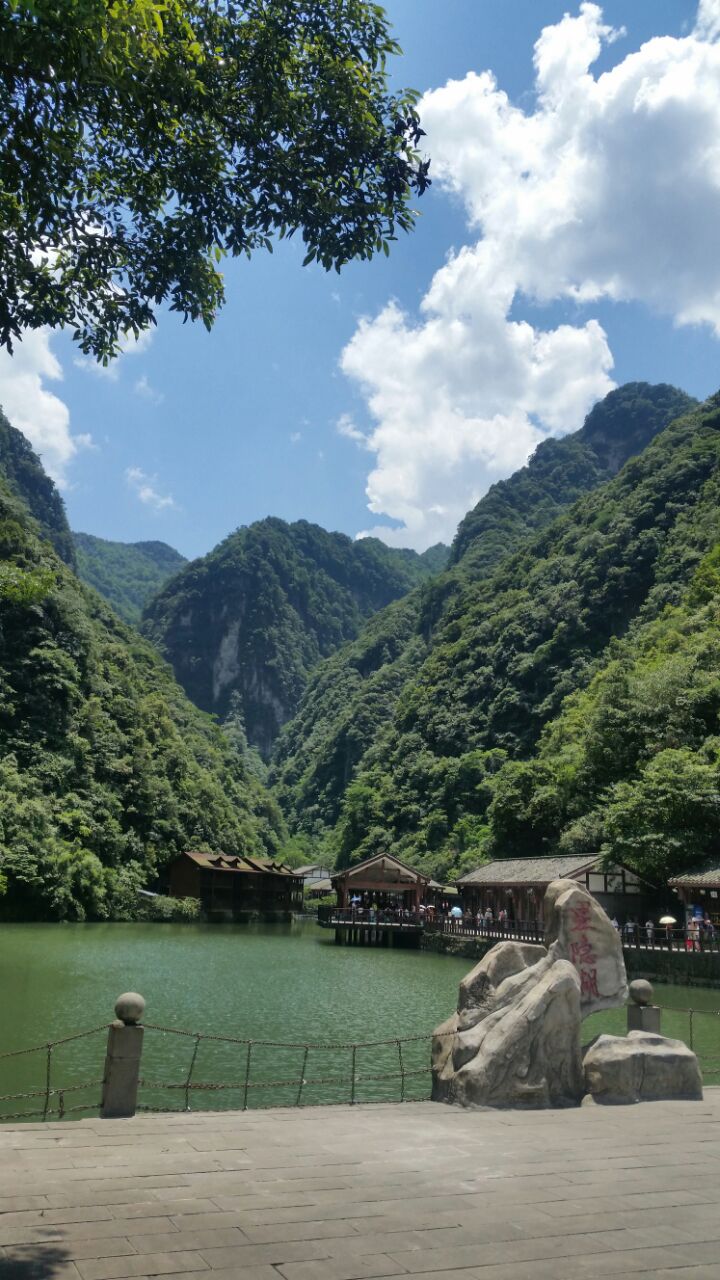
(50, 1076)
(185, 1070)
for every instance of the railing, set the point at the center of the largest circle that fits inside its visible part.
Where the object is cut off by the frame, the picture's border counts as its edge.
(182, 1067)
(636, 937)
(369, 917)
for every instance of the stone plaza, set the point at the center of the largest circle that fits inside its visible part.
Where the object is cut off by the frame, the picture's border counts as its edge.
(348, 1193)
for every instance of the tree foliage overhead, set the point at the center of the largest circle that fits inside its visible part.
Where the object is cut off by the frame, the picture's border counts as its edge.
(255, 615)
(141, 141)
(352, 697)
(127, 574)
(106, 770)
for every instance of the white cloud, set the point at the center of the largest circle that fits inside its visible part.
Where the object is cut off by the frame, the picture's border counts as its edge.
(295, 437)
(609, 187)
(28, 404)
(143, 486)
(144, 388)
(346, 427)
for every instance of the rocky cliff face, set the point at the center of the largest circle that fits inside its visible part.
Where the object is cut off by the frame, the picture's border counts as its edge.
(257, 614)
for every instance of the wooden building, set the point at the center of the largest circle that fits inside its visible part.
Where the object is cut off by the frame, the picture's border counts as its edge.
(699, 893)
(517, 887)
(236, 887)
(384, 881)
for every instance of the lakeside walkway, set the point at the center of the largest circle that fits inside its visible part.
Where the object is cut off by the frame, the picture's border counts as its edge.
(349, 1193)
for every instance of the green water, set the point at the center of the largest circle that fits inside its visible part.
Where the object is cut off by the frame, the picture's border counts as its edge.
(263, 983)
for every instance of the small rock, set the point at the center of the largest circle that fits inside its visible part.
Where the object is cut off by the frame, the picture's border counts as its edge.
(641, 1067)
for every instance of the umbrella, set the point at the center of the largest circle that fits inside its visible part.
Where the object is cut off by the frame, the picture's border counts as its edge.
(668, 920)
(457, 912)
(356, 899)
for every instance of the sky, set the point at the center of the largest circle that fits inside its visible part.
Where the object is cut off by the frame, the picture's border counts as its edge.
(570, 242)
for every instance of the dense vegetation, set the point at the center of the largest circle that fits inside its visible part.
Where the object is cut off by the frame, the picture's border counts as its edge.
(254, 616)
(106, 769)
(352, 697)
(24, 477)
(572, 698)
(127, 574)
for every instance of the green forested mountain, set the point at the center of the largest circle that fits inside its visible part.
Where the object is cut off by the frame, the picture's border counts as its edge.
(250, 620)
(560, 471)
(127, 574)
(573, 696)
(106, 769)
(25, 478)
(352, 696)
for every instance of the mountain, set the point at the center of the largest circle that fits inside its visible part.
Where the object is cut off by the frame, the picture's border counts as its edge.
(250, 620)
(25, 479)
(352, 696)
(127, 574)
(560, 471)
(106, 769)
(571, 698)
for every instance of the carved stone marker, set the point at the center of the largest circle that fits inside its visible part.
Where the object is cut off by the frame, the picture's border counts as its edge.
(577, 928)
(641, 1067)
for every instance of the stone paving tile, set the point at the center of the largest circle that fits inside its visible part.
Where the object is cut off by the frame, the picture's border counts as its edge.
(341, 1269)
(182, 1241)
(112, 1248)
(266, 1254)
(156, 1264)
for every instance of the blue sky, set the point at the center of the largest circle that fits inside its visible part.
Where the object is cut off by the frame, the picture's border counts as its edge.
(198, 433)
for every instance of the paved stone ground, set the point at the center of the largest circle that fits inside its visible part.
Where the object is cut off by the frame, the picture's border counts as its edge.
(347, 1193)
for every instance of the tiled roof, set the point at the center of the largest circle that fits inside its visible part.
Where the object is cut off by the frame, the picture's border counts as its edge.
(239, 863)
(385, 862)
(707, 876)
(528, 870)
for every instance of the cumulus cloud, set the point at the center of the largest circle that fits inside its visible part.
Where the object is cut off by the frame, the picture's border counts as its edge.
(28, 404)
(143, 486)
(607, 188)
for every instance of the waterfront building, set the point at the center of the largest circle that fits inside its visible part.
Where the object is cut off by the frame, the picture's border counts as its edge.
(699, 892)
(517, 887)
(382, 879)
(235, 886)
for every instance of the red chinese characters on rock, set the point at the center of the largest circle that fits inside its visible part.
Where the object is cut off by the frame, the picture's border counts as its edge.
(581, 951)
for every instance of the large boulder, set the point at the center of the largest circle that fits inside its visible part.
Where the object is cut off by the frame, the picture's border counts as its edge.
(577, 929)
(640, 1067)
(515, 1038)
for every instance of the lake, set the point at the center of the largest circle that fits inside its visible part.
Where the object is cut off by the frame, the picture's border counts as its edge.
(282, 983)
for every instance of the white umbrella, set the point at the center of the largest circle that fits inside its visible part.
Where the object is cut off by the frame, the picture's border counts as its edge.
(668, 920)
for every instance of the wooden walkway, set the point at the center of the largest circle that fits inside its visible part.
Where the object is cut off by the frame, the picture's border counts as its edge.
(351, 1193)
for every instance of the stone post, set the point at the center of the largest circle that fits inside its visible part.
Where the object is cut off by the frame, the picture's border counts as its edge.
(641, 1014)
(122, 1062)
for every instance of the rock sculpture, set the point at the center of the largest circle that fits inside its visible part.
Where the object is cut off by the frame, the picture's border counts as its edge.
(515, 1039)
(641, 1067)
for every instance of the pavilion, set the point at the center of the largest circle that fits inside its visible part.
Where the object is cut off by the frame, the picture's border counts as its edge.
(383, 881)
